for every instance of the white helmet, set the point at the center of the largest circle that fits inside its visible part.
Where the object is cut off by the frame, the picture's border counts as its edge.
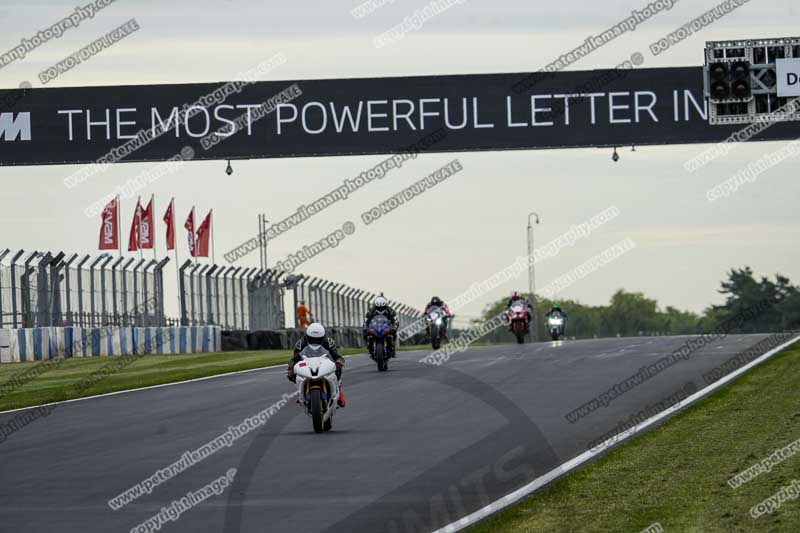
(380, 302)
(315, 333)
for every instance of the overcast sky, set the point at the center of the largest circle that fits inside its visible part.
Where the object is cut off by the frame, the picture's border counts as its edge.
(463, 230)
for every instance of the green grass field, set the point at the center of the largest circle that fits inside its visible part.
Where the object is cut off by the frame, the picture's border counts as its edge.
(63, 382)
(677, 474)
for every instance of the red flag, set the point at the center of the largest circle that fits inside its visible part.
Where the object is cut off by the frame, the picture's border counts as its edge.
(203, 234)
(108, 228)
(169, 219)
(189, 225)
(133, 239)
(146, 228)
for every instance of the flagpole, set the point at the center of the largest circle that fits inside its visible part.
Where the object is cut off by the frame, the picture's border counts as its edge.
(138, 215)
(175, 247)
(153, 218)
(194, 236)
(211, 221)
(119, 235)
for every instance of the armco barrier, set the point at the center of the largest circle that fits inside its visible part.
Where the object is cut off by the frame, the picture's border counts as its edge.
(37, 344)
(284, 339)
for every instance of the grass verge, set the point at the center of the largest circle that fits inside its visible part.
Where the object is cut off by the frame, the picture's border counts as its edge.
(676, 475)
(68, 379)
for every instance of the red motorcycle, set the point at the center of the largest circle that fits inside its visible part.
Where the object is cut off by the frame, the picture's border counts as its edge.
(518, 317)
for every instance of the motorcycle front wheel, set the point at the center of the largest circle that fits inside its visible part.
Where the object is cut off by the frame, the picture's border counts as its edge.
(380, 357)
(435, 341)
(316, 410)
(519, 332)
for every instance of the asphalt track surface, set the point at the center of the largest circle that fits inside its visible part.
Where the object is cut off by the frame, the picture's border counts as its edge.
(416, 448)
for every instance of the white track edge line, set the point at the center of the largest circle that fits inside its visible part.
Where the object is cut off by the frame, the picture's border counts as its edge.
(154, 386)
(562, 469)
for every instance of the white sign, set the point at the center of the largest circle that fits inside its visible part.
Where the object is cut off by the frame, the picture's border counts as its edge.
(788, 77)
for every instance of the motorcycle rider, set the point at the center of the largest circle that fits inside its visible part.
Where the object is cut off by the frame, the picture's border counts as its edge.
(315, 334)
(517, 298)
(556, 311)
(381, 307)
(446, 314)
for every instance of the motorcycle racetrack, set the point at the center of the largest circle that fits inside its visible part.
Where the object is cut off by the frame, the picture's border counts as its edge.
(416, 448)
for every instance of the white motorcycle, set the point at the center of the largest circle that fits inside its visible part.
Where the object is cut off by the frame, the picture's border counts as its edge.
(318, 386)
(435, 320)
(555, 324)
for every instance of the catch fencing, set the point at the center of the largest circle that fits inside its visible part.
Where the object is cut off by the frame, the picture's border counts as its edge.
(40, 289)
(43, 289)
(239, 298)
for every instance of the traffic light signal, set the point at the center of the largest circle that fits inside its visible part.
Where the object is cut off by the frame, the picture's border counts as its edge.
(740, 73)
(729, 81)
(720, 90)
(741, 82)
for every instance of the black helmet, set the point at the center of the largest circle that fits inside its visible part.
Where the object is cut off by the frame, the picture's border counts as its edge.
(436, 301)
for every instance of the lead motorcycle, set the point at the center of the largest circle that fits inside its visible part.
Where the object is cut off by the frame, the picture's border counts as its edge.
(555, 325)
(435, 319)
(378, 342)
(518, 317)
(318, 385)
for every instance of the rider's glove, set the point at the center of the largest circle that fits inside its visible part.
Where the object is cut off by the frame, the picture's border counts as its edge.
(340, 362)
(339, 365)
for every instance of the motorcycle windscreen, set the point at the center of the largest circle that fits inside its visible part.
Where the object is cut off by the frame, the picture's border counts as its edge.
(311, 352)
(379, 322)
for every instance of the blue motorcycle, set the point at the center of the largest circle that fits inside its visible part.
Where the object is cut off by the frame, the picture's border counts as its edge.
(379, 341)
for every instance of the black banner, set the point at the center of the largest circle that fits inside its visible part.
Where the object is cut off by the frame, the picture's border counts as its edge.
(238, 120)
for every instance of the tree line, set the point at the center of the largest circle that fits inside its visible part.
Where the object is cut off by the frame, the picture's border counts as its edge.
(632, 313)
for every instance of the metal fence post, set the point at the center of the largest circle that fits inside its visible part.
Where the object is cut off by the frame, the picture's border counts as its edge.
(125, 312)
(220, 272)
(25, 291)
(158, 290)
(240, 290)
(281, 318)
(3, 254)
(209, 306)
(348, 317)
(92, 309)
(340, 315)
(311, 297)
(248, 283)
(182, 293)
(356, 318)
(14, 287)
(201, 303)
(114, 306)
(332, 290)
(193, 320)
(55, 289)
(324, 288)
(103, 308)
(41, 317)
(146, 294)
(79, 269)
(136, 291)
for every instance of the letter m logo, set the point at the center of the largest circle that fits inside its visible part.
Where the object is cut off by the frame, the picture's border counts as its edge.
(11, 128)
